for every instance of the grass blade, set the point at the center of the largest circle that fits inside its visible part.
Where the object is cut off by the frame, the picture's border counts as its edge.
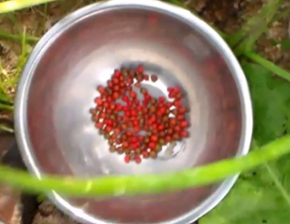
(278, 184)
(19, 37)
(269, 65)
(7, 129)
(244, 39)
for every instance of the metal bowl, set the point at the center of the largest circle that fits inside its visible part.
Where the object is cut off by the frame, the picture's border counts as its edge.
(58, 85)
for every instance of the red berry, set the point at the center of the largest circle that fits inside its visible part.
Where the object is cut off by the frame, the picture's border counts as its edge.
(144, 103)
(177, 103)
(110, 84)
(132, 94)
(147, 96)
(115, 95)
(138, 85)
(101, 89)
(172, 94)
(103, 115)
(115, 81)
(127, 113)
(122, 84)
(139, 108)
(127, 159)
(178, 96)
(146, 77)
(168, 138)
(125, 144)
(125, 98)
(183, 124)
(162, 110)
(152, 145)
(118, 106)
(172, 121)
(180, 117)
(152, 119)
(129, 104)
(140, 69)
(160, 127)
(134, 145)
(177, 128)
(109, 99)
(183, 134)
(161, 99)
(108, 129)
(154, 138)
(176, 89)
(146, 128)
(99, 125)
(154, 78)
(117, 131)
(117, 73)
(168, 105)
(106, 104)
(170, 89)
(112, 106)
(116, 88)
(134, 113)
(134, 139)
(138, 159)
(98, 101)
(181, 110)
(145, 154)
(129, 133)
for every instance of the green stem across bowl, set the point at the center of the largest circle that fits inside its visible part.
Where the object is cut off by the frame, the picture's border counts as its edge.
(145, 184)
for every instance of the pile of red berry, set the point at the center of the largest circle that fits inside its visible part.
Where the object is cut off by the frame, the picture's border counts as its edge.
(138, 124)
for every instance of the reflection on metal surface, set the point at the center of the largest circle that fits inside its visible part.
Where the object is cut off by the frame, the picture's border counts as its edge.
(171, 150)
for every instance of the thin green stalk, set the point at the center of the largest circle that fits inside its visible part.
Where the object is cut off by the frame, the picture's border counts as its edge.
(121, 185)
(269, 65)
(6, 106)
(244, 39)
(13, 5)
(281, 15)
(2, 70)
(7, 129)
(18, 37)
(278, 183)
(273, 175)
(4, 98)
(22, 58)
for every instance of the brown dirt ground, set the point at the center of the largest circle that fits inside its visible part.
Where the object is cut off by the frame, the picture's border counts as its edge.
(227, 15)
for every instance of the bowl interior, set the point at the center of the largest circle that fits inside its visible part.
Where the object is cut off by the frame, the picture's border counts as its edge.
(62, 88)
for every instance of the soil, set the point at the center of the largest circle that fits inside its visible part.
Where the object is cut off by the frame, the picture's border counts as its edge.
(227, 15)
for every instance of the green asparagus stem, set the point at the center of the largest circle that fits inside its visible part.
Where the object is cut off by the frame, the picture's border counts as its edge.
(121, 185)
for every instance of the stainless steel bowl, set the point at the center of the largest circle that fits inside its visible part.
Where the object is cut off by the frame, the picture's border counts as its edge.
(58, 85)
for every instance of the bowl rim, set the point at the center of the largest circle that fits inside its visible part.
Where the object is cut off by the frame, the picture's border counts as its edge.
(203, 28)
